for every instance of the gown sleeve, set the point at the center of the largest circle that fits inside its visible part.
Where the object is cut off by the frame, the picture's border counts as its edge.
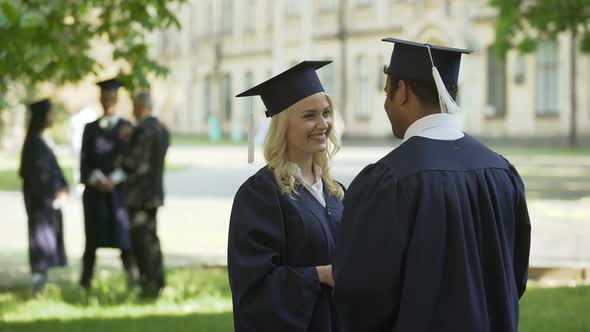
(86, 166)
(369, 261)
(42, 173)
(522, 246)
(268, 295)
(139, 153)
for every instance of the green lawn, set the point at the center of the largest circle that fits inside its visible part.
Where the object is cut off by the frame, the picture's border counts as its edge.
(9, 180)
(542, 151)
(198, 299)
(201, 140)
(195, 300)
(555, 309)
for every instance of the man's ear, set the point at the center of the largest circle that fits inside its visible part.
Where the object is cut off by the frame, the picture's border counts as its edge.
(403, 92)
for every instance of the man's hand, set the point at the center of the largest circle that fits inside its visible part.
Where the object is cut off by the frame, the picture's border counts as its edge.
(325, 275)
(125, 133)
(105, 186)
(62, 195)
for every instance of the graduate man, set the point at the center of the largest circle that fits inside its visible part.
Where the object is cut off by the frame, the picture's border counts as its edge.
(106, 220)
(436, 235)
(144, 168)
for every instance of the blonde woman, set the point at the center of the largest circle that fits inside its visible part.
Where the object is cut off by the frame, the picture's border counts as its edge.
(284, 218)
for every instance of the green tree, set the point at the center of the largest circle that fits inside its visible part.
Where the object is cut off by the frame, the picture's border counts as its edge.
(522, 23)
(52, 41)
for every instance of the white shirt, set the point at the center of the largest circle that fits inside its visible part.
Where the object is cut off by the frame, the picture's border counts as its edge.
(108, 121)
(316, 189)
(440, 126)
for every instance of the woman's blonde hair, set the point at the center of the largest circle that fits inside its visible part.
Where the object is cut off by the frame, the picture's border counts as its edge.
(275, 153)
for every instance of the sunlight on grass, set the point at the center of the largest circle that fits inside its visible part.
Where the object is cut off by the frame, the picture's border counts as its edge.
(199, 299)
(10, 181)
(188, 291)
(187, 140)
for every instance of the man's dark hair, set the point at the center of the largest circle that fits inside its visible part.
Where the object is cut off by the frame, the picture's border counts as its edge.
(424, 90)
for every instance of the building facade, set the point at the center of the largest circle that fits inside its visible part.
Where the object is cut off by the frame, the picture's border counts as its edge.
(227, 46)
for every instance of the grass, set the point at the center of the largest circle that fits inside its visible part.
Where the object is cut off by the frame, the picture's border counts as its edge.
(543, 151)
(201, 140)
(195, 300)
(9, 180)
(199, 299)
(555, 309)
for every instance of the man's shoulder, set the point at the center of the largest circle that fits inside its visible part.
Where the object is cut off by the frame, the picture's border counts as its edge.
(92, 124)
(422, 154)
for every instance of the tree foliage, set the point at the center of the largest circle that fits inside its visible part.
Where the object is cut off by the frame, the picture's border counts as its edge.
(521, 23)
(52, 41)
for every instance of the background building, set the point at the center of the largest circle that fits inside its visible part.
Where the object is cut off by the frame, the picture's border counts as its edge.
(226, 46)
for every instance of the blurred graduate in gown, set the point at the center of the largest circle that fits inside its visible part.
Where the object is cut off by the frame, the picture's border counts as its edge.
(106, 221)
(44, 189)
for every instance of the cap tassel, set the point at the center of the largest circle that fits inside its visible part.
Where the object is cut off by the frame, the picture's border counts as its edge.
(447, 104)
(251, 137)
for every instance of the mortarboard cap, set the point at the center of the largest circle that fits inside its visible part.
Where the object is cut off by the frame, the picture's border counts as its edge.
(112, 84)
(41, 106)
(424, 62)
(411, 61)
(288, 87)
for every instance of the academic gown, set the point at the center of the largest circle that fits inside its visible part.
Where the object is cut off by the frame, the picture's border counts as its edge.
(106, 221)
(274, 244)
(434, 237)
(42, 180)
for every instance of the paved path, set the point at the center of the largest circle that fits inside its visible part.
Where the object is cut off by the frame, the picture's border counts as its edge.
(194, 222)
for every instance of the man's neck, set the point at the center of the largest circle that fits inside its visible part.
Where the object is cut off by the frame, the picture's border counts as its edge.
(144, 116)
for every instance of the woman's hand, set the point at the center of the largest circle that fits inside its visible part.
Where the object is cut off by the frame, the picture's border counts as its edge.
(325, 275)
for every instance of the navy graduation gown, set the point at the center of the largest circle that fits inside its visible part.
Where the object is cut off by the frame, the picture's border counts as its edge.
(274, 244)
(106, 222)
(434, 237)
(42, 180)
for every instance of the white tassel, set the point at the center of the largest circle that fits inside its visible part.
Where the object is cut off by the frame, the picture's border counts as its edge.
(447, 104)
(251, 136)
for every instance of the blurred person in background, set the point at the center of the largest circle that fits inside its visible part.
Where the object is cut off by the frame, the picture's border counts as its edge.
(106, 221)
(44, 189)
(143, 165)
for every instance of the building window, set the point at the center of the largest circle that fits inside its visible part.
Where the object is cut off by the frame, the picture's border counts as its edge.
(228, 16)
(327, 5)
(207, 97)
(248, 83)
(328, 80)
(250, 18)
(209, 18)
(227, 96)
(548, 78)
(364, 3)
(448, 8)
(496, 85)
(293, 7)
(362, 88)
(381, 77)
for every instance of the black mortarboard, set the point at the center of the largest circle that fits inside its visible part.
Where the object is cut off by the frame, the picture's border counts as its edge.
(411, 61)
(288, 87)
(429, 63)
(112, 84)
(41, 106)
